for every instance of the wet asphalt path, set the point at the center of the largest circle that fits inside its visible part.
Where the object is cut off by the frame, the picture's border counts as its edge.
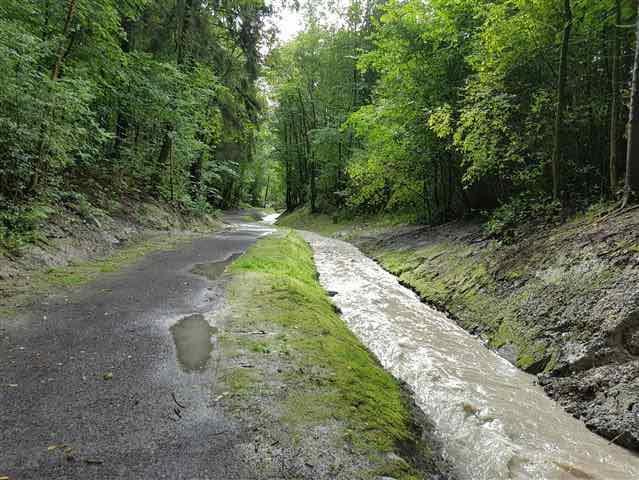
(63, 416)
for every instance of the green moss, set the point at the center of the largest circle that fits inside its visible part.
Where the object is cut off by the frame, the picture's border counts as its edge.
(320, 223)
(259, 347)
(552, 363)
(513, 275)
(335, 377)
(8, 311)
(239, 380)
(397, 469)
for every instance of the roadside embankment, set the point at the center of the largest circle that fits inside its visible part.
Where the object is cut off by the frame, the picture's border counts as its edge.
(562, 302)
(318, 403)
(76, 241)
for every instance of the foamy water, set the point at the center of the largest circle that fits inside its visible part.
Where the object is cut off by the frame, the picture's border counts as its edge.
(493, 420)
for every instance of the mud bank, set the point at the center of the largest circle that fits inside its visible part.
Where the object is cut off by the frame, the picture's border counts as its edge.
(563, 303)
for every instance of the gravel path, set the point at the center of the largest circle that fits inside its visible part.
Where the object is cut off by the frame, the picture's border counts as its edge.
(96, 384)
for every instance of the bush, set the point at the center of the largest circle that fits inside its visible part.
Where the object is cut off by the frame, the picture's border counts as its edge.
(19, 226)
(504, 222)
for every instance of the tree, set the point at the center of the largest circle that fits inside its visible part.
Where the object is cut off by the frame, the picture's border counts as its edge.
(632, 155)
(614, 101)
(561, 99)
(97, 83)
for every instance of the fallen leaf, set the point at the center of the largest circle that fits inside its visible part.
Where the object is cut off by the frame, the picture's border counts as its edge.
(4, 477)
(51, 448)
(92, 461)
(108, 376)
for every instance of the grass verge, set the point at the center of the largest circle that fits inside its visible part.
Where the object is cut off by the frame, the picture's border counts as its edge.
(18, 294)
(329, 225)
(309, 353)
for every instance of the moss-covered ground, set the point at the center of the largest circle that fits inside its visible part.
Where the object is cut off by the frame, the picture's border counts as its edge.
(531, 296)
(303, 355)
(328, 225)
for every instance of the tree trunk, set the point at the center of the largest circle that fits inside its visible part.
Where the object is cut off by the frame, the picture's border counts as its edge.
(57, 66)
(561, 99)
(183, 32)
(268, 184)
(121, 122)
(166, 158)
(61, 54)
(313, 186)
(632, 162)
(614, 102)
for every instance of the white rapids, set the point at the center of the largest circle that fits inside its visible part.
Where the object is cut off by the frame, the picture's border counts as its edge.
(271, 218)
(493, 421)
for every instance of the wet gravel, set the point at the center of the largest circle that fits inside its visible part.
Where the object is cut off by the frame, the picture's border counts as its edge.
(91, 386)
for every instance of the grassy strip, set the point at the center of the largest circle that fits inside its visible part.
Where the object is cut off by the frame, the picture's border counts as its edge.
(275, 287)
(328, 225)
(78, 273)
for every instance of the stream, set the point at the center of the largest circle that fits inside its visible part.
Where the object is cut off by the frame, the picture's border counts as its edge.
(493, 420)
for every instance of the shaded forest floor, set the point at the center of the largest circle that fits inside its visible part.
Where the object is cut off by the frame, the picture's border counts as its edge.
(561, 301)
(78, 241)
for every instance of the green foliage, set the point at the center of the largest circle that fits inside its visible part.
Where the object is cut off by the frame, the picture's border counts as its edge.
(316, 86)
(143, 97)
(452, 108)
(520, 210)
(19, 226)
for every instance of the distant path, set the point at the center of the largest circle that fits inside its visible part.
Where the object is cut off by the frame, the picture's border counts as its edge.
(90, 385)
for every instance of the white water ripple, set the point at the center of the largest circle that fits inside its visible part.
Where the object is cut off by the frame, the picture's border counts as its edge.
(493, 420)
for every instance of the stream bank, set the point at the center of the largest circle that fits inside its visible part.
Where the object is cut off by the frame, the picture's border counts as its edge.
(318, 404)
(562, 303)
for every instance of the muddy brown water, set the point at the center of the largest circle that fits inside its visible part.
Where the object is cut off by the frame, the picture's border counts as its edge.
(494, 421)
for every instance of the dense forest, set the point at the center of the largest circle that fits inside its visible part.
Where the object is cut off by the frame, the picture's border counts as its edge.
(435, 109)
(147, 98)
(441, 108)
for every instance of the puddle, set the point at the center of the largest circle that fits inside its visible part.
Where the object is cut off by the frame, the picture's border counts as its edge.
(192, 337)
(214, 270)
